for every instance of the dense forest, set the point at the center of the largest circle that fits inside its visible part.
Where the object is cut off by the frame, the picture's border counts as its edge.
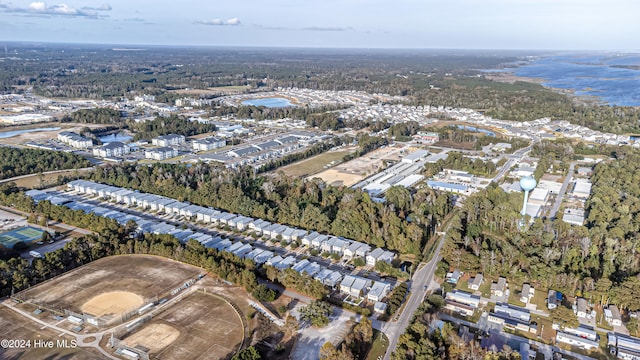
(313, 205)
(145, 130)
(599, 261)
(95, 116)
(22, 161)
(457, 161)
(522, 101)
(173, 124)
(477, 140)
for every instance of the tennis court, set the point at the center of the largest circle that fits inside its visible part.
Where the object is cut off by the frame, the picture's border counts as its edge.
(26, 234)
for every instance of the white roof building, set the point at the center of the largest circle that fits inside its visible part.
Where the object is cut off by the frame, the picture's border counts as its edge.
(378, 291)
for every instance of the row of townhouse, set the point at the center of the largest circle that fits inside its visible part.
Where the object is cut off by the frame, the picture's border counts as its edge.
(325, 243)
(75, 140)
(161, 153)
(347, 248)
(246, 155)
(111, 150)
(169, 140)
(355, 286)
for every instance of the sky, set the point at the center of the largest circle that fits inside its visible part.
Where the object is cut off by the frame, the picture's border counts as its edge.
(429, 24)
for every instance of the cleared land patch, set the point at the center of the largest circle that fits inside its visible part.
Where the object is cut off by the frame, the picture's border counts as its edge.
(313, 165)
(146, 277)
(200, 326)
(354, 171)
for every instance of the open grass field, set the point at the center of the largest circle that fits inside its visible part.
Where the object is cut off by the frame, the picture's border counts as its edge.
(315, 164)
(200, 326)
(36, 180)
(111, 286)
(14, 326)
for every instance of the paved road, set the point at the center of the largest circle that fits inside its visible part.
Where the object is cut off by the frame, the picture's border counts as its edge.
(503, 171)
(563, 190)
(80, 339)
(510, 162)
(419, 282)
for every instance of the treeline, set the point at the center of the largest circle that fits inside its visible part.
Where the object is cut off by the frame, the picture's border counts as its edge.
(479, 140)
(307, 153)
(366, 143)
(422, 340)
(404, 129)
(292, 279)
(22, 161)
(312, 205)
(355, 346)
(457, 161)
(172, 124)
(95, 116)
(146, 130)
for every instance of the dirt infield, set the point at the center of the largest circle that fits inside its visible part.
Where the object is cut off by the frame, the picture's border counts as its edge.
(208, 328)
(112, 303)
(146, 277)
(154, 337)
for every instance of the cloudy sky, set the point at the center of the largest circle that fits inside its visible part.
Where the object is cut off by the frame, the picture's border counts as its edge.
(450, 24)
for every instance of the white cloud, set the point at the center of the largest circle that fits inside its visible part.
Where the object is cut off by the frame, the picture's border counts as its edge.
(40, 8)
(37, 6)
(220, 22)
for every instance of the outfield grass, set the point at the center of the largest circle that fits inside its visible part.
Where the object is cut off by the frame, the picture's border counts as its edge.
(313, 165)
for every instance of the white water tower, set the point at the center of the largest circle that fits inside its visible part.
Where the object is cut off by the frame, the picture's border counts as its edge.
(527, 184)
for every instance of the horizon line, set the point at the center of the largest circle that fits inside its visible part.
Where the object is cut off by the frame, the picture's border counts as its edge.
(137, 47)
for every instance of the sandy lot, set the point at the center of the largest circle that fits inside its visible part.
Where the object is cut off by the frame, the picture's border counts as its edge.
(311, 338)
(354, 171)
(146, 277)
(42, 135)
